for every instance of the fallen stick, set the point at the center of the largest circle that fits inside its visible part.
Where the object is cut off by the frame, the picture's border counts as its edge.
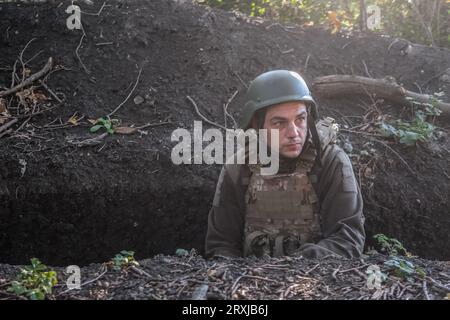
(425, 290)
(129, 95)
(140, 272)
(89, 142)
(227, 114)
(398, 155)
(202, 116)
(21, 58)
(5, 133)
(7, 125)
(50, 91)
(438, 285)
(39, 112)
(132, 130)
(48, 66)
(78, 48)
(345, 85)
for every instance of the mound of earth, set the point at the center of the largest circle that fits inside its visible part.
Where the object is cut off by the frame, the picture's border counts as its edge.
(67, 199)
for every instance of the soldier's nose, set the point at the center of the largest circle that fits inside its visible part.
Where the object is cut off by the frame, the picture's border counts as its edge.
(292, 131)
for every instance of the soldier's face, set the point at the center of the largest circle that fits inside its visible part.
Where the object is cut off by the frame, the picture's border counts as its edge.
(290, 118)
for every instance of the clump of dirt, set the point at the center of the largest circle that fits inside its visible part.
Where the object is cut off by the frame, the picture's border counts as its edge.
(68, 203)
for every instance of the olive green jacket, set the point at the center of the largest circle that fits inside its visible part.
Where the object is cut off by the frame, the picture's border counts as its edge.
(341, 209)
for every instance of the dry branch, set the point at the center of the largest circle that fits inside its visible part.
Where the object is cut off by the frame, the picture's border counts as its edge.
(29, 80)
(7, 125)
(129, 95)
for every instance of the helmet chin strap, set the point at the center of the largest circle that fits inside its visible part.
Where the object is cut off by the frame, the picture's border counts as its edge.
(315, 138)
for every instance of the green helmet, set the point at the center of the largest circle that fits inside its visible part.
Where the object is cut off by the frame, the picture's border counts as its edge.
(276, 87)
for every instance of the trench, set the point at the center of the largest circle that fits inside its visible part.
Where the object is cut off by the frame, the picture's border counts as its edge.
(87, 227)
(162, 213)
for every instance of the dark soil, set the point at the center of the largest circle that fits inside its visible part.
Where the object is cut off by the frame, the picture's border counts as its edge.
(76, 205)
(192, 278)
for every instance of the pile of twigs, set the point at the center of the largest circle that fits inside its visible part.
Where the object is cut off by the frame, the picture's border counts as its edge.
(192, 277)
(27, 96)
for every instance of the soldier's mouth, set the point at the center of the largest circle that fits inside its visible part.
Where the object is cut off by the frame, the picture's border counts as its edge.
(293, 146)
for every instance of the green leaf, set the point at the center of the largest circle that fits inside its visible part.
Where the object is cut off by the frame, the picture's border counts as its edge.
(37, 295)
(401, 267)
(386, 130)
(421, 272)
(181, 252)
(35, 263)
(101, 120)
(409, 138)
(96, 128)
(17, 288)
(127, 253)
(107, 125)
(34, 281)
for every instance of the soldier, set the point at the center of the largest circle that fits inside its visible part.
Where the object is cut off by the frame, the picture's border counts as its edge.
(312, 207)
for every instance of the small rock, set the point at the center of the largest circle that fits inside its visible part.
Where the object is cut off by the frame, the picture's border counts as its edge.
(138, 100)
(446, 76)
(348, 147)
(364, 153)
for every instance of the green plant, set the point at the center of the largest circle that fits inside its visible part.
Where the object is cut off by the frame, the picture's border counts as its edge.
(404, 268)
(106, 123)
(418, 130)
(409, 133)
(391, 246)
(34, 281)
(123, 260)
(181, 252)
(431, 108)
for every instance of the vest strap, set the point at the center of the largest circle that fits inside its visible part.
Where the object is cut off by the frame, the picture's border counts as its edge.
(278, 248)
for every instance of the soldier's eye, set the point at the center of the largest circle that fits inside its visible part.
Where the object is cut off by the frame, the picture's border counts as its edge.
(300, 119)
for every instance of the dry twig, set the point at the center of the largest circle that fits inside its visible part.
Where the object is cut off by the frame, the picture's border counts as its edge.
(129, 95)
(202, 116)
(30, 79)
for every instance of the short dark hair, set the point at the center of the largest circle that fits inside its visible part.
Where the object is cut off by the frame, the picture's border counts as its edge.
(260, 117)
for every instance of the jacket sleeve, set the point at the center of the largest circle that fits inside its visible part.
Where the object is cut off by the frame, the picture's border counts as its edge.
(225, 220)
(341, 209)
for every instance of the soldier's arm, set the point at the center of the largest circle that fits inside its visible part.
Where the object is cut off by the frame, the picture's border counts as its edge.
(341, 209)
(226, 219)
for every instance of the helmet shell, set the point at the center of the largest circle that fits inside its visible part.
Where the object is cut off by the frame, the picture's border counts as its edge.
(272, 88)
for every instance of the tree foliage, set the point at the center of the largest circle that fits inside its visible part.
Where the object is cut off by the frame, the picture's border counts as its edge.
(421, 21)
